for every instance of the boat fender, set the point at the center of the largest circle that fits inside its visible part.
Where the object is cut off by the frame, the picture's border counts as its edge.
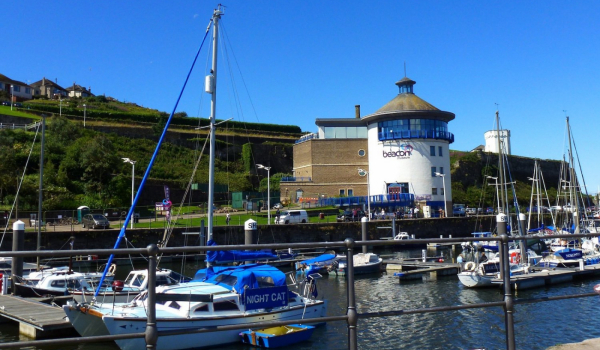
(470, 266)
(117, 286)
(112, 268)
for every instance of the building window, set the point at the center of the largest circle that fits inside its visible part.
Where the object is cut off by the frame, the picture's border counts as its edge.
(440, 151)
(16, 88)
(361, 152)
(342, 192)
(350, 192)
(434, 191)
(442, 191)
(432, 151)
(441, 170)
(433, 171)
(27, 90)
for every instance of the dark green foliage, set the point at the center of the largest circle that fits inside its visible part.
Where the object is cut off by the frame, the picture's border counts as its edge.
(247, 157)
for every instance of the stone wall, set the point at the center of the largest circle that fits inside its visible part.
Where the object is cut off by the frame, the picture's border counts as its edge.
(225, 235)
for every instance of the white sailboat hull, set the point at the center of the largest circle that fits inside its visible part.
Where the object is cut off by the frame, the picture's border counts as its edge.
(125, 325)
(474, 279)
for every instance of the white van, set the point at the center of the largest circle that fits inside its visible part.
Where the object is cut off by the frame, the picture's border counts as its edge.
(292, 217)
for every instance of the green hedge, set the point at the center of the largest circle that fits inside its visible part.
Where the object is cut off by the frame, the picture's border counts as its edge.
(154, 118)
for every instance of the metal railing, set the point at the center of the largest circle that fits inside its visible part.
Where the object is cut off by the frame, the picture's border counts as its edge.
(351, 317)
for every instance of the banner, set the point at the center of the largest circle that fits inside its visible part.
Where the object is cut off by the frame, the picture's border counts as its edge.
(167, 193)
(265, 298)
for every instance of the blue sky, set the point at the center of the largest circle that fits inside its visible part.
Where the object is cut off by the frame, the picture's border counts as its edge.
(300, 60)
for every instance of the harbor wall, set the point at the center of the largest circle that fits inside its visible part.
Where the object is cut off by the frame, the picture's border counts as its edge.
(228, 235)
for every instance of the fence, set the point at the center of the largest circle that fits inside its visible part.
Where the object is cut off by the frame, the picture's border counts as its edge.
(352, 316)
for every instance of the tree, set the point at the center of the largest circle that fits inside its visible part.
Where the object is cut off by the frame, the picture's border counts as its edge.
(98, 161)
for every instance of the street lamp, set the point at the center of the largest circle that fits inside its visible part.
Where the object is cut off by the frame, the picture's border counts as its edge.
(496, 186)
(363, 172)
(132, 162)
(443, 176)
(268, 169)
(84, 110)
(12, 96)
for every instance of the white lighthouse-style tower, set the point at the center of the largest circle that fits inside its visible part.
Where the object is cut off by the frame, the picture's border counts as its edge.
(408, 142)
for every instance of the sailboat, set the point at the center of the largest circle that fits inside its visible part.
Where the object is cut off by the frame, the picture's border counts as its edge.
(482, 270)
(566, 252)
(218, 296)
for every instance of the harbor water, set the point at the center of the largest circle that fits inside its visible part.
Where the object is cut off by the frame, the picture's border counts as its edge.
(537, 325)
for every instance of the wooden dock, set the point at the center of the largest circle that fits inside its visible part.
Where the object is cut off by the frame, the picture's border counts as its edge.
(36, 319)
(419, 270)
(548, 277)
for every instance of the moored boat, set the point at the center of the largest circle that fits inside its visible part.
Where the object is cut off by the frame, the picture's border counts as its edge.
(274, 337)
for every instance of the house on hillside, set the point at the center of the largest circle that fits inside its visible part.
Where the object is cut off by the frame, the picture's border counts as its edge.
(17, 90)
(79, 91)
(48, 88)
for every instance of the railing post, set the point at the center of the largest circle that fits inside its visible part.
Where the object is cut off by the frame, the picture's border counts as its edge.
(509, 307)
(351, 313)
(151, 329)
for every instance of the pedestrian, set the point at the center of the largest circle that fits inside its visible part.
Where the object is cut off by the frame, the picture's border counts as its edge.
(416, 212)
(227, 219)
(382, 214)
(277, 214)
(483, 257)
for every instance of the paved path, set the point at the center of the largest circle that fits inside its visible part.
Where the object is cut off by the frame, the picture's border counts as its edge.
(584, 345)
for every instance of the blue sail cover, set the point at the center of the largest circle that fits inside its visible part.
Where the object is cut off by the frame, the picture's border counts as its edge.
(222, 256)
(239, 277)
(318, 259)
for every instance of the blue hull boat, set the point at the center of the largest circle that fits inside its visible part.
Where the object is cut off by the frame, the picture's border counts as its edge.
(275, 337)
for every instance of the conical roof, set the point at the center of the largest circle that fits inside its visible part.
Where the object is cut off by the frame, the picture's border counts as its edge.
(406, 105)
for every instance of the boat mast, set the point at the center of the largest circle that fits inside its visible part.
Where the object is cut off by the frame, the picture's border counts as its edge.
(213, 107)
(573, 201)
(501, 183)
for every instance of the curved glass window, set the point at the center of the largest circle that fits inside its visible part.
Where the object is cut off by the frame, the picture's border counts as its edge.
(414, 128)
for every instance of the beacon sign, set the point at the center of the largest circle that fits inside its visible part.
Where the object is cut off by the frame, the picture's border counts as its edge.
(404, 152)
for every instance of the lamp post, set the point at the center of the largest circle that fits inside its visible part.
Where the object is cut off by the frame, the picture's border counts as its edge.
(132, 162)
(443, 176)
(84, 110)
(268, 169)
(496, 186)
(363, 172)
(12, 96)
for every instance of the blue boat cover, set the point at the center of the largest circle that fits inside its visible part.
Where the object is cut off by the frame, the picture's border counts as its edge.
(318, 259)
(239, 277)
(222, 256)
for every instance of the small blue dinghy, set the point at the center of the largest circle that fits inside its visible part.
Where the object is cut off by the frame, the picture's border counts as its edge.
(275, 337)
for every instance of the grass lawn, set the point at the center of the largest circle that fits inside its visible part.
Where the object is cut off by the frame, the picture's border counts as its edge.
(17, 112)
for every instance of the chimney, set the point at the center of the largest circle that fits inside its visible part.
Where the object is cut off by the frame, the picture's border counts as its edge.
(357, 111)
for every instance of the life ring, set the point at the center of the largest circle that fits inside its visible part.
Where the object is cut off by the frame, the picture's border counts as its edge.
(470, 266)
(112, 268)
(515, 257)
(167, 202)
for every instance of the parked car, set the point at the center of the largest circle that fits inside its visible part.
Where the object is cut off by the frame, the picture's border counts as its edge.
(18, 104)
(292, 217)
(346, 216)
(540, 209)
(95, 221)
(471, 211)
(5, 103)
(458, 210)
